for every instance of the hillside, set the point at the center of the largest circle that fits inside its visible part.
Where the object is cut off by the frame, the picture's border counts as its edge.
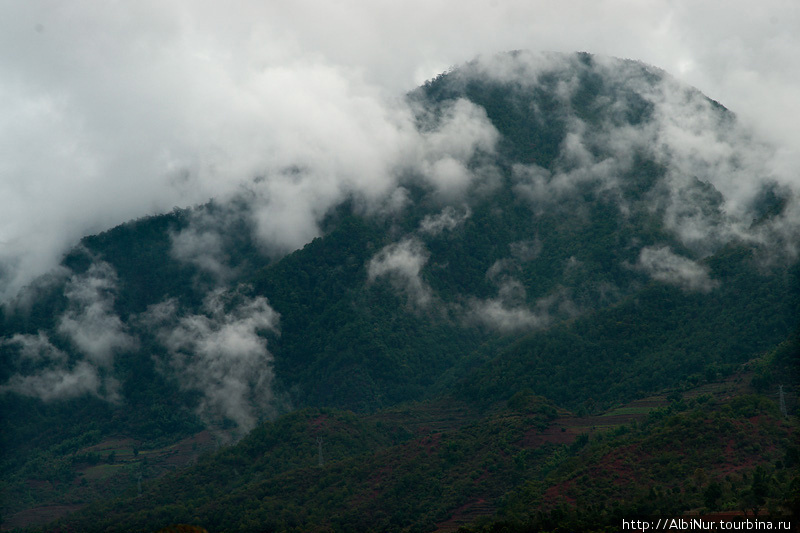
(575, 233)
(420, 468)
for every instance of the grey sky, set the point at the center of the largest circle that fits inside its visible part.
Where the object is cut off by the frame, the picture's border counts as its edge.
(115, 110)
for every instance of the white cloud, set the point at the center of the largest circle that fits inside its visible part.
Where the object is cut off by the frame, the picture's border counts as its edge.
(110, 112)
(57, 383)
(449, 219)
(664, 265)
(509, 312)
(527, 250)
(36, 348)
(54, 378)
(202, 248)
(90, 321)
(223, 355)
(496, 314)
(444, 151)
(210, 232)
(714, 167)
(92, 327)
(402, 263)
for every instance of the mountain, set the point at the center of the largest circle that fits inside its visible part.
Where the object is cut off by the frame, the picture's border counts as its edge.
(573, 234)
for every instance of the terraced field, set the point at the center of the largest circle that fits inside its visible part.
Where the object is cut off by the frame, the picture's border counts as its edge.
(109, 468)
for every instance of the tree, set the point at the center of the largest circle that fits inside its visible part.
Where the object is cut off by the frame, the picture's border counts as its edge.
(755, 496)
(711, 495)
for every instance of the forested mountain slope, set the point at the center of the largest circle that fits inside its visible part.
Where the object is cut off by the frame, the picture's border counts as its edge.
(583, 230)
(526, 466)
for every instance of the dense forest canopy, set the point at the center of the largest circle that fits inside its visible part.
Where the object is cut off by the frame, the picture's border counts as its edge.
(571, 233)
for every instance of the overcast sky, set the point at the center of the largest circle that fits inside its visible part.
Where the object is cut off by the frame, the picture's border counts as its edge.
(111, 110)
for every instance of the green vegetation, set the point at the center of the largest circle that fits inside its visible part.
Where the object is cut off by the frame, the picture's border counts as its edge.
(547, 379)
(705, 454)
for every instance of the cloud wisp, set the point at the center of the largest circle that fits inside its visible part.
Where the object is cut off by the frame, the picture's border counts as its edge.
(56, 380)
(664, 265)
(447, 220)
(90, 321)
(56, 383)
(92, 327)
(508, 311)
(222, 354)
(402, 264)
(714, 172)
(117, 111)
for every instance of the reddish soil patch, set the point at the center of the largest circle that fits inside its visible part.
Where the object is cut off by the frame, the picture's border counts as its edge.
(380, 477)
(187, 450)
(110, 478)
(566, 429)
(421, 419)
(376, 484)
(466, 514)
(111, 444)
(433, 442)
(733, 463)
(618, 465)
(39, 484)
(721, 515)
(318, 423)
(556, 433)
(557, 493)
